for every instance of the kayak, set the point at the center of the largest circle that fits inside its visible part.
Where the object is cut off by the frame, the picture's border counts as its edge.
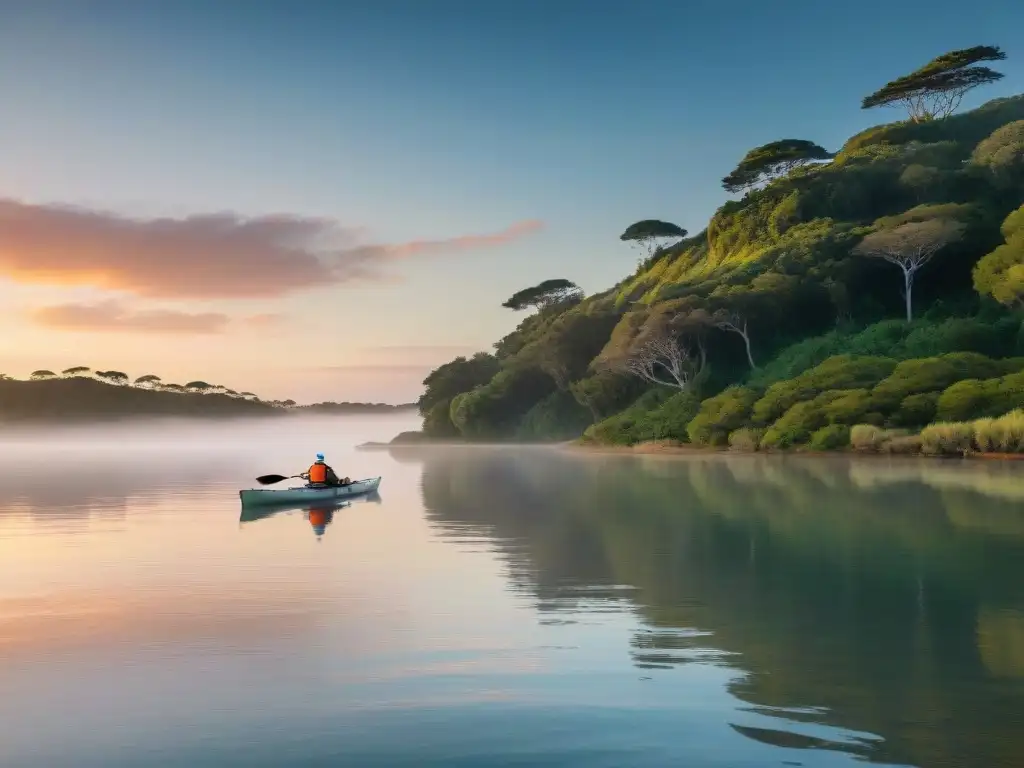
(304, 493)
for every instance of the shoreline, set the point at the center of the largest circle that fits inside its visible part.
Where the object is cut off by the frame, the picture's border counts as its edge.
(684, 450)
(662, 448)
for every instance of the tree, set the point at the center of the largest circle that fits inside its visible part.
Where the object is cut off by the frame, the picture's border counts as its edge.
(42, 374)
(653, 236)
(455, 377)
(605, 392)
(661, 359)
(114, 377)
(568, 345)
(924, 180)
(75, 371)
(910, 246)
(198, 386)
(659, 345)
(936, 89)
(544, 295)
(1000, 274)
(172, 388)
(771, 161)
(734, 323)
(149, 380)
(248, 395)
(1001, 154)
(287, 403)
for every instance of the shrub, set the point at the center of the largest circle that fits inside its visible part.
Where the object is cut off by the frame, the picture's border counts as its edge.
(837, 373)
(916, 410)
(848, 407)
(973, 398)
(881, 338)
(720, 415)
(830, 438)
(669, 420)
(622, 428)
(745, 439)
(960, 334)
(615, 430)
(795, 426)
(556, 417)
(931, 374)
(902, 444)
(868, 437)
(950, 439)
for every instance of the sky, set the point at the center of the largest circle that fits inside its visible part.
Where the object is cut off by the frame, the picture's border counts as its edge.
(326, 200)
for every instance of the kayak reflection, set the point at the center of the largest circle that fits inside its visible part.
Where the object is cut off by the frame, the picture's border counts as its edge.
(319, 514)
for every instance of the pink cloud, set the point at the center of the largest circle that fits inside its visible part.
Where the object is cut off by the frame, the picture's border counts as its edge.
(110, 316)
(218, 255)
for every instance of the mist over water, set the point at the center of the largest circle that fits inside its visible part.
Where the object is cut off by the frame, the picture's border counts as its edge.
(500, 606)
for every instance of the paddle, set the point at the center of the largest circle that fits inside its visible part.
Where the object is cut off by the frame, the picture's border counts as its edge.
(271, 479)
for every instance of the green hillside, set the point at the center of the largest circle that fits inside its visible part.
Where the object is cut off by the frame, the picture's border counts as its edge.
(785, 322)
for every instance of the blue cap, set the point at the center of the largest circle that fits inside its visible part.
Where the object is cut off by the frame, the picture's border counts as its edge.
(319, 457)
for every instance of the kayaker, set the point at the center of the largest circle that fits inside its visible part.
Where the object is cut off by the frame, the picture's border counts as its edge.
(321, 473)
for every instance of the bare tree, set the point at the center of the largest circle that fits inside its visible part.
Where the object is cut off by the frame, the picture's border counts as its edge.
(911, 246)
(735, 323)
(663, 359)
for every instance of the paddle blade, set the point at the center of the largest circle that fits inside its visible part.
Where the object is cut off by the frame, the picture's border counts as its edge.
(270, 479)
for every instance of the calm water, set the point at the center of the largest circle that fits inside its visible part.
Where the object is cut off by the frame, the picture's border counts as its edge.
(513, 607)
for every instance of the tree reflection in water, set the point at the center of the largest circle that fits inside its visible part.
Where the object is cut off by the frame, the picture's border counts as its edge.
(880, 597)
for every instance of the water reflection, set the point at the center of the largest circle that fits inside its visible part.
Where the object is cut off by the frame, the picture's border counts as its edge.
(874, 607)
(319, 515)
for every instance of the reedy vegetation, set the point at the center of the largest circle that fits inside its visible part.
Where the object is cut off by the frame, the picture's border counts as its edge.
(772, 328)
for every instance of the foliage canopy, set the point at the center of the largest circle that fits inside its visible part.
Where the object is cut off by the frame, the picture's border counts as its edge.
(936, 89)
(544, 294)
(772, 160)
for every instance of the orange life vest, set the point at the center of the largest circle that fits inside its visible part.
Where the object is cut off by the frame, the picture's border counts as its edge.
(318, 473)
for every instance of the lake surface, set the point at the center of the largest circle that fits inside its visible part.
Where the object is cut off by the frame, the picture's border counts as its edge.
(502, 607)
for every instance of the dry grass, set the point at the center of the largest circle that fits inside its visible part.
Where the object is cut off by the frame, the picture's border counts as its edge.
(948, 439)
(745, 439)
(868, 437)
(903, 445)
(1002, 435)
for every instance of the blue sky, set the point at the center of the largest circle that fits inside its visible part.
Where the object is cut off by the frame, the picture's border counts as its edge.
(420, 120)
